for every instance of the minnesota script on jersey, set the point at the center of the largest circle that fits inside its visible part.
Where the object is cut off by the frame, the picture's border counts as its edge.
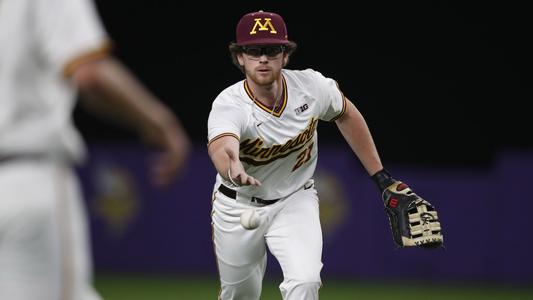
(278, 145)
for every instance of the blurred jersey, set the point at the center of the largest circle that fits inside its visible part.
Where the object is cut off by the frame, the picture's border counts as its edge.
(44, 251)
(40, 43)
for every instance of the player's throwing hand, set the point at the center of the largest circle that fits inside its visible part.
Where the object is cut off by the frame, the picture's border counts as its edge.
(236, 174)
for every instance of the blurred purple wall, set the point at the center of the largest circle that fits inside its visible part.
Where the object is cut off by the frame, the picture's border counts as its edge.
(485, 215)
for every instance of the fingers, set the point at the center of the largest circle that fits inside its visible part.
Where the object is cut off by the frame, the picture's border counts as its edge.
(246, 179)
(166, 167)
(162, 177)
(238, 176)
(243, 178)
(164, 170)
(175, 147)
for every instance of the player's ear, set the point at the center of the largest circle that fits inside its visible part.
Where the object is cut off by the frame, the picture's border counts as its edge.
(240, 59)
(285, 59)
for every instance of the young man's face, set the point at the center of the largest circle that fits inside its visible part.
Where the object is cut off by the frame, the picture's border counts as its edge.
(263, 63)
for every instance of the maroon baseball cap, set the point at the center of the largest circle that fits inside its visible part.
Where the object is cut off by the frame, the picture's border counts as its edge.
(261, 27)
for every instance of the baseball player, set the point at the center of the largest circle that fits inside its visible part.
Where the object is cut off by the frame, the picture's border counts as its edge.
(262, 140)
(48, 50)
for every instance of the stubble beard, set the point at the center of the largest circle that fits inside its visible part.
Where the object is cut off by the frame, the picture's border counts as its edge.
(262, 80)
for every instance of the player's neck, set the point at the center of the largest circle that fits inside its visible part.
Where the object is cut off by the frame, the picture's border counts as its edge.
(267, 94)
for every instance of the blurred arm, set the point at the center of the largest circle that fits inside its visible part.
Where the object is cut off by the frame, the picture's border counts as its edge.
(353, 127)
(224, 153)
(109, 88)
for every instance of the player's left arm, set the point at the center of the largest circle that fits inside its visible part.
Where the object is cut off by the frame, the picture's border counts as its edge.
(414, 221)
(355, 131)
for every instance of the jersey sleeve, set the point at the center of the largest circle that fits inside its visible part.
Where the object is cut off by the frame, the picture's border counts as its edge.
(70, 32)
(225, 119)
(332, 101)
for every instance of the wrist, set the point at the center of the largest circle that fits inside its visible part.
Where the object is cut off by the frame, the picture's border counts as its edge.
(382, 179)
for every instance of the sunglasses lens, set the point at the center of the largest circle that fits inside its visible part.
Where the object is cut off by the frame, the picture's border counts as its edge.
(273, 50)
(253, 51)
(257, 51)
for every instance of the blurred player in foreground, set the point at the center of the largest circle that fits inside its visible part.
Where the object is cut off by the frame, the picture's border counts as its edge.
(48, 51)
(263, 143)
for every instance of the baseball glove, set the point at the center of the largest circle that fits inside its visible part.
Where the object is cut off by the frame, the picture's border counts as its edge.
(413, 220)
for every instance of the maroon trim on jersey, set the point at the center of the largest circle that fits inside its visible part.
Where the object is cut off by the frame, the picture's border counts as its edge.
(222, 135)
(343, 105)
(278, 110)
(101, 52)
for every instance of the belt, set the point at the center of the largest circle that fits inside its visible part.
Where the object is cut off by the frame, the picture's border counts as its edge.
(233, 195)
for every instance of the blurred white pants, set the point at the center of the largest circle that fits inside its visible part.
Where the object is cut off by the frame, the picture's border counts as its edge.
(44, 251)
(291, 230)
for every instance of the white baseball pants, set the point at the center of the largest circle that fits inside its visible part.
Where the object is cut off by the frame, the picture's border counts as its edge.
(44, 252)
(291, 230)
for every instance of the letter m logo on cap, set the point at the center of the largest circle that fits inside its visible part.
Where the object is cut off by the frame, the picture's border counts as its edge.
(267, 25)
(261, 28)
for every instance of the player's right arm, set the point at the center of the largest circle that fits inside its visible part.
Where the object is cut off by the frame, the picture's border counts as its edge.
(109, 88)
(73, 42)
(224, 153)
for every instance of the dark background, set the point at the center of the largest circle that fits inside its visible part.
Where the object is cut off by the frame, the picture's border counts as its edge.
(439, 83)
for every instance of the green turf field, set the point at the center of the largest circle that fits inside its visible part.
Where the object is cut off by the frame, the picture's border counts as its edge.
(132, 287)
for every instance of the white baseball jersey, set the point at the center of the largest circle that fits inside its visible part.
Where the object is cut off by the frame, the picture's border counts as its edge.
(40, 42)
(278, 145)
(44, 251)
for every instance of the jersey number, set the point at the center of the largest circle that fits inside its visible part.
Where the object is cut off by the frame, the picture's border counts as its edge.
(303, 157)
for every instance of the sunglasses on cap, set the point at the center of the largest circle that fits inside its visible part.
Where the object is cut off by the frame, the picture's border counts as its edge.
(270, 51)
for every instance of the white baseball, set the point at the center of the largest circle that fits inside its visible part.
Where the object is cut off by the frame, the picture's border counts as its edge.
(250, 219)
